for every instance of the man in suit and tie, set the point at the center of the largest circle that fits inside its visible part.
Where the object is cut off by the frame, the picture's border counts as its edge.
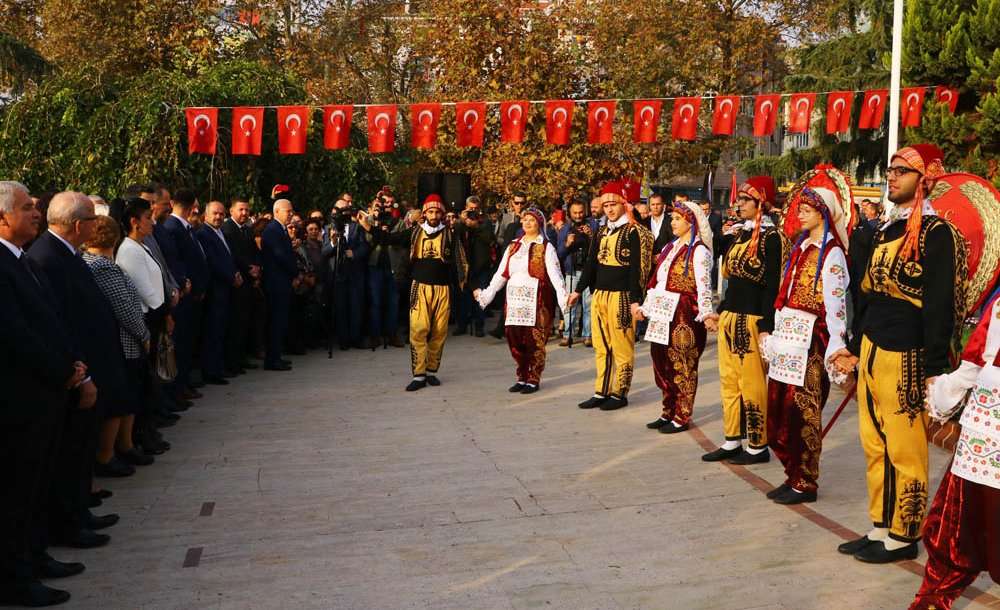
(659, 223)
(186, 261)
(94, 332)
(349, 247)
(238, 231)
(280, 270)
(38, 367)
(223, 279)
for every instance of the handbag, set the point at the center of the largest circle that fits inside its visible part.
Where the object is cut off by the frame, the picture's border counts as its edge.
(166, 359)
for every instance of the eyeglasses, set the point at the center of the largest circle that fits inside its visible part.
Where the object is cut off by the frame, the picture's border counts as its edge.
(897, 171)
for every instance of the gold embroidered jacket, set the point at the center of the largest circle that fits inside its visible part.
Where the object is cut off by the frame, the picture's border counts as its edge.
(619, 260)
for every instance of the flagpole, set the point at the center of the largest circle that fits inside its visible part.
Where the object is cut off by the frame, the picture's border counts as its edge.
(897, 64)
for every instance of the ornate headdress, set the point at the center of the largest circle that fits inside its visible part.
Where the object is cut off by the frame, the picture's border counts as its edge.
(828, 191)
(433, 202)
(929, 161)
(760, 189)
(700, 228)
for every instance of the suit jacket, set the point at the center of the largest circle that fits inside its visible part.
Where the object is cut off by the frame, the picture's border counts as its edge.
(666, 234)
(36, 355)
(241, 245)
(478, 244)
(278, 260)
(89, 316)
(169, 283)
(184, 256)
(221, 266)
(357, 242)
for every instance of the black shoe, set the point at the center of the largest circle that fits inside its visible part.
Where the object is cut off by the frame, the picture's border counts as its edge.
(592, 402)
(248, 366)
(114, 468)
(657, 423)
(32, 595)
(93, 501)
(480, 332)
(747, 458)
(612, 403)
(673, 428)
(529, 389)
(516, 388)
(103, 494)
(721, 454)
(217, 380)
(777, 491)
(230, 373)
(285, 361)
(277, 367)
(51, 568)
(103, 522)
(460, 330)
(794, 497)
(877, 553)
(433, 381)
(180, 405)
(416, 384)
(135, 457)
(84, 539)
(855, 546)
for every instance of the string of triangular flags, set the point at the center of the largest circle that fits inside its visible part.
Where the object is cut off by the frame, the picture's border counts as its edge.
(293, 122)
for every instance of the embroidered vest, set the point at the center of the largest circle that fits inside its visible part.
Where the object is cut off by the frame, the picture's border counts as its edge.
(740, 262)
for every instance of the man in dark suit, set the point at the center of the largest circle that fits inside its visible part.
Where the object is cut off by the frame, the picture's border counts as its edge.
(93, 330)
(350, 248)
(659, 223)
(475, 232)
(186, 261)
(224, 278)
(281, 272)
(37, 368)
(239, 237)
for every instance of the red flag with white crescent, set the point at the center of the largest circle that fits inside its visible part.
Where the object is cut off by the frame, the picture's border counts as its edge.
(600, 122)
(293, 124)
(558, 121)
(337, 126)
(947, 95)
(424, 120)
(381, 128)
(248, 127)
(800, 107)
(470, 122)
(872, 109)
(645, 120)
(727, 108)
(765, 114)
(513, 118)
(911, 104)
(838, 111)
(684, 123)
(203, 130)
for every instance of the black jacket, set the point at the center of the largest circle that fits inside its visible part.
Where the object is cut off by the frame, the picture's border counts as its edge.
(478, 244)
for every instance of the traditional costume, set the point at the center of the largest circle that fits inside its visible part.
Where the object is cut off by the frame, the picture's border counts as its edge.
(617, 266)
(437, 262)
(810, 326)
(752, 263)
(910, 309)
(530, 270)
(681, 283)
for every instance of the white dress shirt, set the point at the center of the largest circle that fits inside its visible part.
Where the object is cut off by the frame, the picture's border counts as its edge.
(17, 252)
(656, 223)
(139, 265)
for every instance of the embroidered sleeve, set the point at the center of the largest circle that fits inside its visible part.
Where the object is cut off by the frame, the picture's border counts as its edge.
(702, 260)
(490, 292)
(555, 275)
(835, 282)
(947, 392)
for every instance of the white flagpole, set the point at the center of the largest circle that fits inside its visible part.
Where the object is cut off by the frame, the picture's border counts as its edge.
(897, 63)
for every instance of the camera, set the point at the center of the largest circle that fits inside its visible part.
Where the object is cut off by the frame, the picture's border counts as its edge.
(472, 214)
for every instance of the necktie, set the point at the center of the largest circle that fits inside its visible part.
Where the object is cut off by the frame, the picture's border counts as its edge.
(27, 267)
(196, 242)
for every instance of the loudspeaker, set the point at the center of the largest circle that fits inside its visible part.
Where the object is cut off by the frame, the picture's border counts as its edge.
(454, 189)
(427, 184)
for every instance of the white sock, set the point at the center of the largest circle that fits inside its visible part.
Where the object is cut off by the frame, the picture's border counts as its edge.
(892, 545)
(730, 445)
(599, 396)
(753, 451)
(419, 378)
(530, 385)
(675, 424)
(796, 491)
(878, 533)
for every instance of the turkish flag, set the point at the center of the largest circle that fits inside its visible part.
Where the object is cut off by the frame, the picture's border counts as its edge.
(293, 124)
(765, 114)
(800, 108)
(872, 109)
(248, 127)
(838, 111)
(424, 120)
(645, 120)
(684, 123)
(470, 121)
(337, 122)
(381, 128)
(558, 121)
(911, 105)
(203, 130)
(631, 188)
(727, 108)
(947, 95)
(600, 122)
(513, 118)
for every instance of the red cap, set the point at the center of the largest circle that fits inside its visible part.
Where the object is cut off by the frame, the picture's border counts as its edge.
(761, 188)
(433, 201)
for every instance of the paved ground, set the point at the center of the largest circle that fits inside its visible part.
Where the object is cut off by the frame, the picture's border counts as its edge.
(329, 487)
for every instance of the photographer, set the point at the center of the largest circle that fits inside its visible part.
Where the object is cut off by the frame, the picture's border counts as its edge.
(346, 251)
(474, 231)
(383, 293)
(572, 245)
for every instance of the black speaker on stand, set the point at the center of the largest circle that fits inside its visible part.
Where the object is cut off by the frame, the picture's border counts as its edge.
(428, 183)
(455, 188)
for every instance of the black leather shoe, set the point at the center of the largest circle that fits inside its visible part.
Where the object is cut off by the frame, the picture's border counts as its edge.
(51, 568)
(592, 402)
(32, 595)
(433, 381)
(747, 458)
(102, 522)
(794, 497)
(249, 366)
(854, 546)
(217, 380)
(612, 403)
(657, 423)
(516, 388)
(721, 454)
(93, 501)
(777, 491)
(180, 405)
(114, 468)
(103, 494)
(416, 384)
(673, 428)
(84, 539)
(529, 389)
(877, 553)
(480, 332)
(286, 362)
(135, 457)
(277, 367)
